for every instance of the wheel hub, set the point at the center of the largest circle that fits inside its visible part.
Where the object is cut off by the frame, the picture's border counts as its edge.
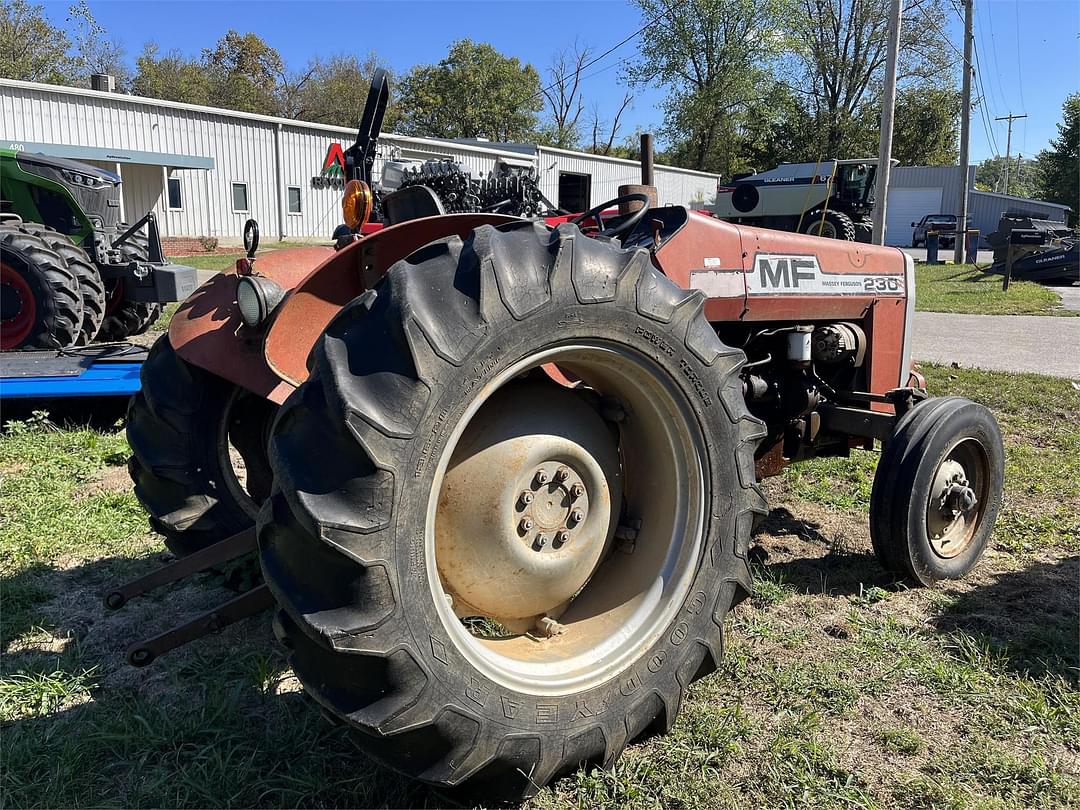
(554, 507)
(528, 505)
(952, 504)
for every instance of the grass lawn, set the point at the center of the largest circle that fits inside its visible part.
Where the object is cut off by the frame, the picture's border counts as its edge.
(839, 688)
(962, 288)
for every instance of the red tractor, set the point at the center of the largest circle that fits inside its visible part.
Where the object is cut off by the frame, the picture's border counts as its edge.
(502, 476)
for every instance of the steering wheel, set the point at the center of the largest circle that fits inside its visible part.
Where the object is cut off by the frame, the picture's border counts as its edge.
(594, 213)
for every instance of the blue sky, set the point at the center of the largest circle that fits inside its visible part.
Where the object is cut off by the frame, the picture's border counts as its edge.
(1029, 50)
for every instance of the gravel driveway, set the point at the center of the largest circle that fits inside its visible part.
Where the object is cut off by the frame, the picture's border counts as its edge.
(1018, 343)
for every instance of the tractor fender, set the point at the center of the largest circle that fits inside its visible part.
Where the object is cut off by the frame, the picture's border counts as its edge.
(207, 331)
(315, 301)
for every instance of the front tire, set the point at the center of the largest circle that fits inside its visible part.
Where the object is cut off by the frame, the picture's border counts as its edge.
(198, 451)
(937, 490)
(425, 423)
(91, 287)
(39, 295)
(831, 225)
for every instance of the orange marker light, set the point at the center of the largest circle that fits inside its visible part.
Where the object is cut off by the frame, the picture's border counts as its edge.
(356, 204)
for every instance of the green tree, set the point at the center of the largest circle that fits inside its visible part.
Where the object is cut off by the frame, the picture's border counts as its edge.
(713, 58)
(475, 92)
(244, 73)
(32, 49)
(926, 129)
(1023, 176)
(333, 91)
(1058, 170)
(171, 76)
(837, 52)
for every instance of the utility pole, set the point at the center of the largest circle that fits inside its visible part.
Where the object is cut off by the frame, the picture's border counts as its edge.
(965, 134)
(1008, 144)
(888, 107)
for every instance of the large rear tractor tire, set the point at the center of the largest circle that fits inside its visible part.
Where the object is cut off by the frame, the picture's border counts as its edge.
(937, 490)
(91, 287)
(495, 577)
(833, 225)
(125, 318)
(40, 303)
(198, 447)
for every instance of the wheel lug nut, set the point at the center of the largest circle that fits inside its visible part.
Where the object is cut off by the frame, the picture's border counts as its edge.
(576, 491)
(577, 515)
(525, 498)
(562, 537)
(562, 474)
(540, 542)
(525, 525)
(541, 477)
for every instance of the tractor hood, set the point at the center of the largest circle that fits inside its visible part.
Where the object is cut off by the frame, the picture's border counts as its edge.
(49, 166)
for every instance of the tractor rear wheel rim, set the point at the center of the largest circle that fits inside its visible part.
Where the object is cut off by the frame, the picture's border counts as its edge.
(632, 590)
(18, 306)
(233, 465)
(958, 494)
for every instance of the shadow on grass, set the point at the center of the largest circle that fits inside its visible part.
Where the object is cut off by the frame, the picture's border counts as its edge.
(1028, 619)
(219, 723)
(839, 572)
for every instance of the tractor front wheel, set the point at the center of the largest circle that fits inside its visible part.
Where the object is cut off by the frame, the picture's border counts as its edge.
(91, 287)
(497, 577)
(937, 490)
(40, 303)
(198, 446)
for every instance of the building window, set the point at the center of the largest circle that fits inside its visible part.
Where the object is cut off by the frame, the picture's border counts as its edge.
(176, 196)
(239, 198)
(294, 199)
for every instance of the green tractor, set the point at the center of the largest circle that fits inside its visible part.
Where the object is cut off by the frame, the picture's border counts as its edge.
(70, 271)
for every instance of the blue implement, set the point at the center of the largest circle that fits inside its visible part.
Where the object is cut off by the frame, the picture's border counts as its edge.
(106, 371)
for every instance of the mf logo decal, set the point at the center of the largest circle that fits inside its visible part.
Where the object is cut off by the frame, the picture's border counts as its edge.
(789, 274)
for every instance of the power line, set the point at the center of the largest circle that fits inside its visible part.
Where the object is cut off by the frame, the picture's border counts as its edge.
(1019, 74)
(993, 55)
(987, 126)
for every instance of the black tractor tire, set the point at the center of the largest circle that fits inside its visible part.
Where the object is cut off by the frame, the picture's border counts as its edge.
(179, 426)
(125, 318)
(52, 313)
(834, 225)
(91, 287)
(355, 453)
(906, 502)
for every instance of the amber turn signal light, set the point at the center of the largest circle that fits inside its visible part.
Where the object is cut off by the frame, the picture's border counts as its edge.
(356, 204)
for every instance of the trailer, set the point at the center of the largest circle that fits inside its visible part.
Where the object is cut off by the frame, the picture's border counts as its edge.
(110, 370)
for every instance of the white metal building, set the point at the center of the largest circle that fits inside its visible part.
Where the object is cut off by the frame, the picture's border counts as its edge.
(204, 170)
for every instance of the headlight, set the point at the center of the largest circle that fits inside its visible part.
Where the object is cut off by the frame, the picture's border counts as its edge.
(256, 298)
(356, 204)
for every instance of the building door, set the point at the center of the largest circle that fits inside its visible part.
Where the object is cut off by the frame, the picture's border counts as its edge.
(574, 191)
(907, 205)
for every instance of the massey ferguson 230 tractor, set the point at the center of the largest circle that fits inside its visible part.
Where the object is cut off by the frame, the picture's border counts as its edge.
(502, 476)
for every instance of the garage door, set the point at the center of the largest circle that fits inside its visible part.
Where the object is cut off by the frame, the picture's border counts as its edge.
(907, 205)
